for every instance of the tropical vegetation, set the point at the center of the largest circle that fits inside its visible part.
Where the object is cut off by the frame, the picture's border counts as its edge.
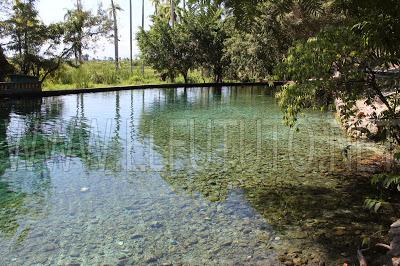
(330, 53)
(330, 50)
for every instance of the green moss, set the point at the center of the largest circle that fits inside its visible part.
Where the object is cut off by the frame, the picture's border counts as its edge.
(23, 235)
(11, 206)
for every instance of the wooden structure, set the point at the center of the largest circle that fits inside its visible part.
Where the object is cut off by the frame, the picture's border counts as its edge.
(20, 85)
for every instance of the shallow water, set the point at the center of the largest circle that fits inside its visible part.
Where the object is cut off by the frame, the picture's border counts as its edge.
(183, 176)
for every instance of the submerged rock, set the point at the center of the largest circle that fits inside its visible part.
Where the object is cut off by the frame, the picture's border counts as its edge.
(137, 236)
(156, 225)
(226, 244)
(340, 231)
(173, 242)
(49, 247)
(151, 259)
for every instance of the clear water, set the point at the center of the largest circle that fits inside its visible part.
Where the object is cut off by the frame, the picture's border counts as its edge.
(187, 176)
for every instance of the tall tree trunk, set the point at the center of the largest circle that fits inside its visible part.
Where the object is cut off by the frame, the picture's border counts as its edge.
(114, 12)
(78, 49)
(131, 34)
(143, 29)
(143, 14)
(172, 13)
(185, 76)
(6, 68)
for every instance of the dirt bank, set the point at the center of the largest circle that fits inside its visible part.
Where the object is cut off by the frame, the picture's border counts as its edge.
(363, 120)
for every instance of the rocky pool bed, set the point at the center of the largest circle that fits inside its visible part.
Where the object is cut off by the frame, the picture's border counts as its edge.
(181, 176)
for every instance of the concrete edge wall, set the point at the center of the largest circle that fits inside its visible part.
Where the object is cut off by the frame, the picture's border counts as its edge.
(22, 94)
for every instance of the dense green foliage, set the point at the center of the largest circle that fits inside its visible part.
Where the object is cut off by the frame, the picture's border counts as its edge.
(163, 52)
(354, 61)
(356, 53)
(229, 45)
(327, 49)
(197, 42)
(82, 28)
(28, 37)
(6, 67)
(39, 49)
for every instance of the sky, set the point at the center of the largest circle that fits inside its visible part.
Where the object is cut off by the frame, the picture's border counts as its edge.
(51, 11)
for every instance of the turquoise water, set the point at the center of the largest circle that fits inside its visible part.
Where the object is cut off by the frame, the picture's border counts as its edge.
(172, 176)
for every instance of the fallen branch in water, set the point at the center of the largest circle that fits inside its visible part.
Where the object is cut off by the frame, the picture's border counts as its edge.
(395, 244)
(394, 247)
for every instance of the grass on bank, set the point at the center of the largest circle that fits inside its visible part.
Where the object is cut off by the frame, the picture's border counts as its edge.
(99, 74)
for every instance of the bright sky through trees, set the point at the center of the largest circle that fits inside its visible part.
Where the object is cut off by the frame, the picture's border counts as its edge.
(53, 11)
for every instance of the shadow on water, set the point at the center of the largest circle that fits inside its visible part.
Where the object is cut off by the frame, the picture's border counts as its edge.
(318, 211)
(331, 221)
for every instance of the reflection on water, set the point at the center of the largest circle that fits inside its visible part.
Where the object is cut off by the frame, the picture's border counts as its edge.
(188, 176)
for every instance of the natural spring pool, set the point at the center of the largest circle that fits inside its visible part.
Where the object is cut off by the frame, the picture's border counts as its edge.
(175, 177)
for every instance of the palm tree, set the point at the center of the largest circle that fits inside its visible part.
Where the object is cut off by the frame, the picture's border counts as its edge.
(76, 16)
(156, 4)
(113, 10)
(165, 8)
